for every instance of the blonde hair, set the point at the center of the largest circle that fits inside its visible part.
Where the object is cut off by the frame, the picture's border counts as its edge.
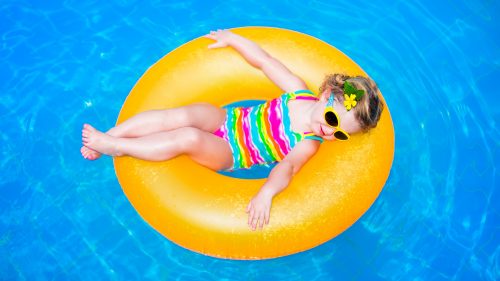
(369, 108)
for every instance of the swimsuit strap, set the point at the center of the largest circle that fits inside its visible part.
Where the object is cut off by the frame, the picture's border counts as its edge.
(311, 136)
(305, 94)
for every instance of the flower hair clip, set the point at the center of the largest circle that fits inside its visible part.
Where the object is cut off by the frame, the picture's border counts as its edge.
(351, 95)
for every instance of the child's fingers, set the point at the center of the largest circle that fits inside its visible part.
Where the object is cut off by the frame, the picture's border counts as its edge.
(255, 220)
(267, 217)
(261, 220)
(218, 44)
(250, 217)
(258, 219)
(212, 46)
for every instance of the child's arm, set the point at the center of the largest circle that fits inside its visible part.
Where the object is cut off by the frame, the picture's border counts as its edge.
(257, 57)
(279, 178)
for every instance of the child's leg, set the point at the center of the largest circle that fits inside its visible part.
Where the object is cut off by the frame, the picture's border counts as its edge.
(203, 147)
(203, 116)
(199, 115)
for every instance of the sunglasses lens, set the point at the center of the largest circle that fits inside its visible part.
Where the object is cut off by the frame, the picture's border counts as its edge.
(331, 119)
(340, 135)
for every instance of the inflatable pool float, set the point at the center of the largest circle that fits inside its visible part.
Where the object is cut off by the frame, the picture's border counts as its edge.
(204, 211)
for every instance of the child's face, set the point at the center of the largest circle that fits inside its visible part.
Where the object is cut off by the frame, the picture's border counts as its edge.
(348, 121)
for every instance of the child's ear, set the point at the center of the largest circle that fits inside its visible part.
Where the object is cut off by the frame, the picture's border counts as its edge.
(325, 95)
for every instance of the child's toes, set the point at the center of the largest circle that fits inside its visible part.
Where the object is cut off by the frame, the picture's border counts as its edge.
(89, 128)
(84, 152)
(89, 154)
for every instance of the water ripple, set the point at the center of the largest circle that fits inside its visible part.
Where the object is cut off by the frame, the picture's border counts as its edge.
(437, 217)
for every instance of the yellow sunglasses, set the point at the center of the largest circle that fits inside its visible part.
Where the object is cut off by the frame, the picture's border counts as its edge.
(333, 120)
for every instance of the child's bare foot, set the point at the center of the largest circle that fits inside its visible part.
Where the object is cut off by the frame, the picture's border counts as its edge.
(89, 153)
(99, 141)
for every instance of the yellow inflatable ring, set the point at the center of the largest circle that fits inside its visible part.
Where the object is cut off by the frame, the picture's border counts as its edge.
(204, 211)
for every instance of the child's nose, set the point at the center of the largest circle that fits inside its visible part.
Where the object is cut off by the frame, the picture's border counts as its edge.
(328, 130)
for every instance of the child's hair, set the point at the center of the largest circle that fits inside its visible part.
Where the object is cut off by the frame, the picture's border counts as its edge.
(369, 108)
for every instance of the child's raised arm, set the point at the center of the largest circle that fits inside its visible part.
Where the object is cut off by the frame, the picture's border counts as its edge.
(257, 57)
(260, 206)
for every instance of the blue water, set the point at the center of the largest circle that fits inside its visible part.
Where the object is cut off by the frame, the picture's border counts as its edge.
(63, 64)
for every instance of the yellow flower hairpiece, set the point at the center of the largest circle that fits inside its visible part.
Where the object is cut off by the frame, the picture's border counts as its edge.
(349, 101)
(351, 95)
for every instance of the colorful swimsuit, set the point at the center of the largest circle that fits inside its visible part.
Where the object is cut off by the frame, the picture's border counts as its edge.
(261, 134)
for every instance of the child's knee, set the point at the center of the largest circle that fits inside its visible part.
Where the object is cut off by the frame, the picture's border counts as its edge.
(174, 117)
(190, 139)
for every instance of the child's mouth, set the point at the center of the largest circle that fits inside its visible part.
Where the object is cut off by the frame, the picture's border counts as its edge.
(321, 129)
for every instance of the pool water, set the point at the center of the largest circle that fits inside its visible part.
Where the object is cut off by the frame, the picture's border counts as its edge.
(65, 218)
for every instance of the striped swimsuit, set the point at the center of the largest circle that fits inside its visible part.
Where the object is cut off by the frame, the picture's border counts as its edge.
(261, 134)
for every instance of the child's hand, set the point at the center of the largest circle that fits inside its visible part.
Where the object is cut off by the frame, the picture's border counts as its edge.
(221, 36)
(258, 209)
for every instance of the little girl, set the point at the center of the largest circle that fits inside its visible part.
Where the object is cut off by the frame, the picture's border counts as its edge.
(287, 130)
